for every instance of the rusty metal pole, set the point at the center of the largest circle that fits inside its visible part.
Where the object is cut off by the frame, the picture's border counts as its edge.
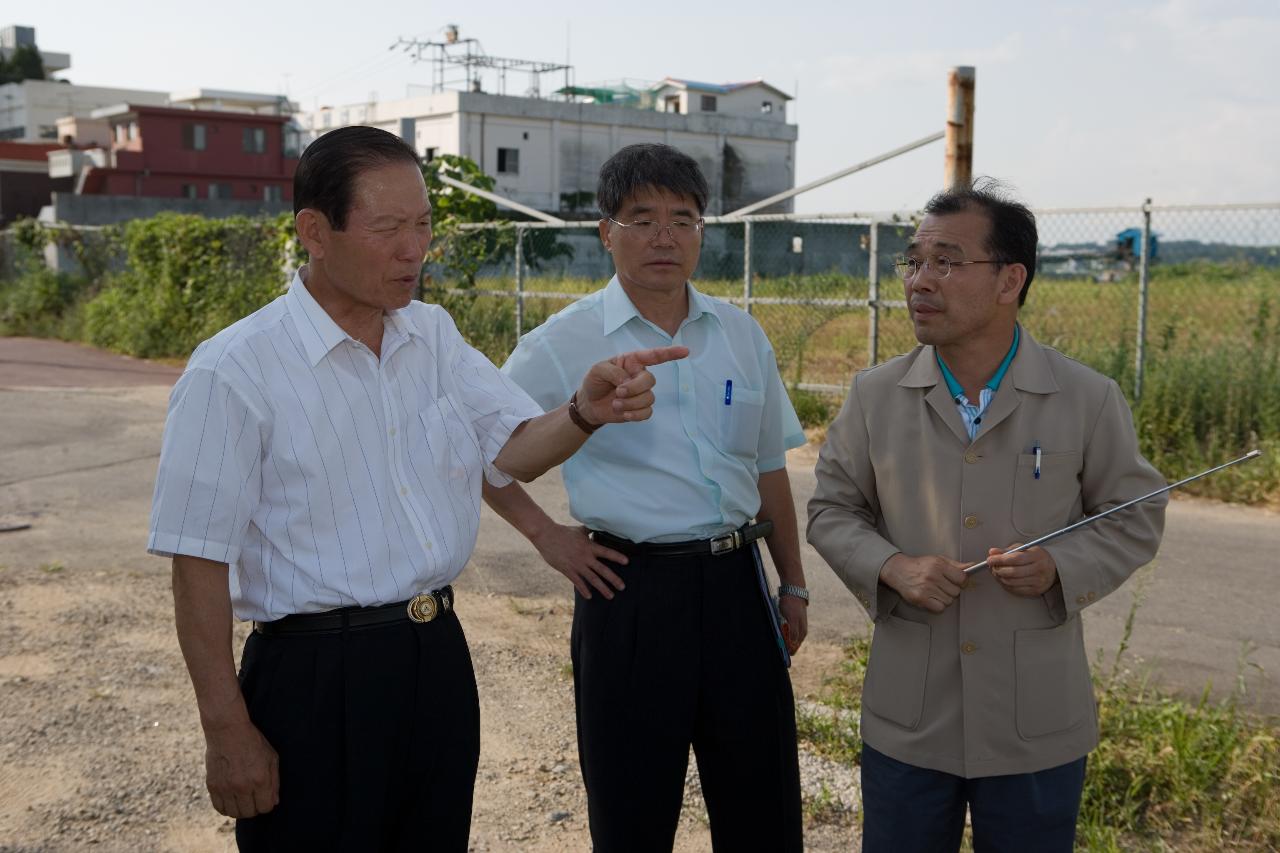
(958, 162)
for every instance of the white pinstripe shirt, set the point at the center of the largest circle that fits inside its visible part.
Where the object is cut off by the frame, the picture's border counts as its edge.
(325, 476)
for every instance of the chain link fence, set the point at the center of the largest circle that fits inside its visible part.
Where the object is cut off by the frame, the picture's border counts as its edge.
(1115, 287)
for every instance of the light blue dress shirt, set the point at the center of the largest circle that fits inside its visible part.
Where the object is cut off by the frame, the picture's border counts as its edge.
(691, 470)
(969, 413)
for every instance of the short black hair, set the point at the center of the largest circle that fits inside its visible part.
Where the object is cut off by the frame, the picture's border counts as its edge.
(1013, 237)
(649, 165)
(327, 171)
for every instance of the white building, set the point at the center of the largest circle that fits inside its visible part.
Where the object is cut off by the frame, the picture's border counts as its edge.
(547, 154)
(29, 110)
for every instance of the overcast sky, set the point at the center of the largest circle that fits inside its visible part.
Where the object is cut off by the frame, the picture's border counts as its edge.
(1078, 103)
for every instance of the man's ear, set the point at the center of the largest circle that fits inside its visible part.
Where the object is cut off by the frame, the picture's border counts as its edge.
(1012, 278)
(604, 235)
(313, 231)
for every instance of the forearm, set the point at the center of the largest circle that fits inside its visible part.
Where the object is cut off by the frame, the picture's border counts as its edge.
(777, 505)
(202, 615)
(516, 508)
(539, 444)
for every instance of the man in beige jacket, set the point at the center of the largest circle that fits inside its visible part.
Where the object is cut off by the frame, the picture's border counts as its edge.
(978, 693)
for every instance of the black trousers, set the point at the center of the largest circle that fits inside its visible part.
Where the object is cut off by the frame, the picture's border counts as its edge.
(685, 655)
(378, 732)
(908, 809)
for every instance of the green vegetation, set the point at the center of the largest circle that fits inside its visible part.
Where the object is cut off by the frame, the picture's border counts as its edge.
(152, 287)
(1168, 774)
(24, 63)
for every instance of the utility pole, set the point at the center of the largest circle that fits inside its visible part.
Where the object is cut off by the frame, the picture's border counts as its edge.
(958, 162)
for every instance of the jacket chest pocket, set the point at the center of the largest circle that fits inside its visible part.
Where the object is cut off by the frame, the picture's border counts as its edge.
(1043, 504)
(448, 442)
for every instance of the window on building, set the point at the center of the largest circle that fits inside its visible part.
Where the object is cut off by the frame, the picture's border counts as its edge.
(292, 142)
(219, 191)
(254, 140)
(122, 134)
(430, 155)
(672, 102)
(797, 245)
(190, 191)
(133, 130)
(275, 194)
(508, 161)
(194, 136)
(766, 107)
(708, 103)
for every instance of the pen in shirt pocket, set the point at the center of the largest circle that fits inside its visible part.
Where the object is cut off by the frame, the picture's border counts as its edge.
(728, 392)
(1035, 448)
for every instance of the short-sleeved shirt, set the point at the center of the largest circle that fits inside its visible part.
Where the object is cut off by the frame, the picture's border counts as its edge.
(721, 418)
(325, 476)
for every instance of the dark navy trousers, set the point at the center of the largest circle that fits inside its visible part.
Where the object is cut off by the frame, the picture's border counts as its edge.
(908, 809)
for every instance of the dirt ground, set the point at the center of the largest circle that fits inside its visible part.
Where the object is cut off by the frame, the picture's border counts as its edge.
(100, 745)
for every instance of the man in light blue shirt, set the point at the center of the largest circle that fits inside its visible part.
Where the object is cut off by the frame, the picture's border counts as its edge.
(673, 641)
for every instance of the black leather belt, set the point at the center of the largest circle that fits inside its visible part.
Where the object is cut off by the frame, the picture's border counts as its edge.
(717, 545)
(420, 608)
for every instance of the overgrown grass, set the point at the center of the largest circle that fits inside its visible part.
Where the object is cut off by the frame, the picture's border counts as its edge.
(1168, 773)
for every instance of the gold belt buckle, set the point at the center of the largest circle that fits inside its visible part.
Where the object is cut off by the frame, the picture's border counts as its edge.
(423, 607)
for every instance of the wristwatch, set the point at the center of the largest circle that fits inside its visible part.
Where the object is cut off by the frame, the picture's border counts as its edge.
(794, 591)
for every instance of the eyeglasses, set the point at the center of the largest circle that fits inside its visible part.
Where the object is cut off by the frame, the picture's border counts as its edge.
(647, 229)
(939, 265)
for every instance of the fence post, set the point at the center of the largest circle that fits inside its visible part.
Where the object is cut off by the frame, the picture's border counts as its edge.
(1144, 271)
(873, 295)
(519, 282)
(746, 265)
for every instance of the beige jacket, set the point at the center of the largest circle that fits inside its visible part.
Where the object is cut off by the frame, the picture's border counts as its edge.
(995, 684)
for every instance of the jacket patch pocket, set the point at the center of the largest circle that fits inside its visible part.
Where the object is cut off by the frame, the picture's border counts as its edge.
(896, 674)
(1043, 504)
(1053, 692)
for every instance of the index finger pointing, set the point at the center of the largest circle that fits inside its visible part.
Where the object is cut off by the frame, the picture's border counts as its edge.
(657, 355)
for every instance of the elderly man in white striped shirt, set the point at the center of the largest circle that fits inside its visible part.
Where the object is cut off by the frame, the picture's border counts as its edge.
(321, 475)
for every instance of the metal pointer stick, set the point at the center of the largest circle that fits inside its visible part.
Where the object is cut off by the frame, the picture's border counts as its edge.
(1091, 519)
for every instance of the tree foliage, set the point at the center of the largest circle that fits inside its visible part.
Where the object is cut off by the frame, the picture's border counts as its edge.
(24, 64)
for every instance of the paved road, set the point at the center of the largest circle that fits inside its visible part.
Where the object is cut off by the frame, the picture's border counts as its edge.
(79, 438)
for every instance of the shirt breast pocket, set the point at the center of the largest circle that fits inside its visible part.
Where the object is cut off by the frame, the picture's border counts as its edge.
(738, 421)
(1042, 505)
(448, 442)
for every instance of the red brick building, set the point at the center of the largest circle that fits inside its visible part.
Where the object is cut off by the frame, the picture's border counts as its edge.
(171, 152)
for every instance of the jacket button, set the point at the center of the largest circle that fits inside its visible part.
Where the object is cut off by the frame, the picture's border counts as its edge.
(968, 648)
(970, 521)
(971, 457)
(1091, 595)
(1080, 599)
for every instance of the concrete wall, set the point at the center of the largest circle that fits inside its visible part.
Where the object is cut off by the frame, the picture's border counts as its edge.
(838, 248)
